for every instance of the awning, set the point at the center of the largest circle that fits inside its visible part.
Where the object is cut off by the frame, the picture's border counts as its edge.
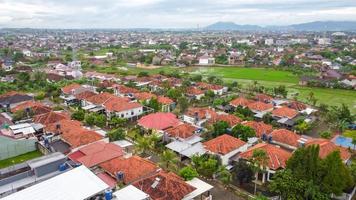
(201, 188)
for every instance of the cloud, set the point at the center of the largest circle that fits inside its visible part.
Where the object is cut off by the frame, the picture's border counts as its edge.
(168, 13)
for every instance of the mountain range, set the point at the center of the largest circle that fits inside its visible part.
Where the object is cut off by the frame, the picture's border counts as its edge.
(310, 26)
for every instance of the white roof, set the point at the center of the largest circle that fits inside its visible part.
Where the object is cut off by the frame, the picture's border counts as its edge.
(130, 192)
(123, 143)
(178, 146)
(77, 184)
(196, 149)
(20, 126)
(200, 186)
(88, 107)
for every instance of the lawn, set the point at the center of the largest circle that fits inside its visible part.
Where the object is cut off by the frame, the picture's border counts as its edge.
(259, 74)
(350, 133)
(19, 159)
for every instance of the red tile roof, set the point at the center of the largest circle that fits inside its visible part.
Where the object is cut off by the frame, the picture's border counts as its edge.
(194, 91)
(327, 147)
(50, 117)
(283, 112)
(37, 107)
(164, 100)
(100, 99)
(169, 186)
(125, 90)
(263, 97)
(133, 168)
(119, 104)
(73, 133)
(207, 86)
(182, 131)
(201, 112)
(286, 137)
(110, 181)
(260, 106)
(68, 89)
(85, 95)
(240, 101)
(143, 96)
(277, 157)
(297, 105)
(96, 153)
(259, 127)
(158, 121)
(223, 144)
(232, 120)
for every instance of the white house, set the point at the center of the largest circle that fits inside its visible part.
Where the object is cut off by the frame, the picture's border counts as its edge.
(206, 59)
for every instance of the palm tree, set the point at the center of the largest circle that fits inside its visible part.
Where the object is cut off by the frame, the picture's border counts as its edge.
(154, 139)
(169, 160)
(224, 175)
(142, 145)
(259, 159)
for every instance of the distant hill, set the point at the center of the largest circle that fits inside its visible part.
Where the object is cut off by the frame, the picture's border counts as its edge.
(221, 26)
(310, 26)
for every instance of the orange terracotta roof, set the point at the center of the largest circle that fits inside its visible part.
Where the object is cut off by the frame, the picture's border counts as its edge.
(85, 95)
(169, 187)
(194, 91)
(207, 86)
(232, 120)
(240, 101)
(164, 100)
(101, 98)
(277, 157)
(144, 96)
(182, 131)
(259, 127)
(283, 112)
(260, 106)
(327, 147)
(97, 152)
(118, 104)
(73, 133)
(133, 168)
(68, 89)
(286, 137)
(201, 112)
(37, 107)
(158, 121)
(223, 144)
(125, 90)
(297, 105)
(263, 97)
(50, 117)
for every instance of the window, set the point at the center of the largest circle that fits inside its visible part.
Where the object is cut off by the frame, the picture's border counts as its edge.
(132, 113)
(122, 115)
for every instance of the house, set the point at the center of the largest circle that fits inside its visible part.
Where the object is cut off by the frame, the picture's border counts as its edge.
(277, 158)
(164, 186)
(120, 107)
(35, 107)
(240, 101)
(260, 108)
(77, 183)
(206, 59)
(232, 120)
(284, 138)
(12, 99)
(263, 98)
(129, 170)
(167, 104)
(198, 116)
(123, 91)
(194, 93)
(285, 115)
(158, 121)
(217, 89)
(50, 117)
(96, 153)
(7, 65)
(70, 92)
(236, 59)
(226, 147)
(327, 146)
(259, 127)
(130, 192)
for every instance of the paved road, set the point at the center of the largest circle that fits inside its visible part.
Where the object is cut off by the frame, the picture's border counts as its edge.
(220, 193)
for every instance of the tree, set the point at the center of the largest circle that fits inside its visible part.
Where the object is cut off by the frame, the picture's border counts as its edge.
(311, 98)
(267, 118)
(280, 90)
(243, 132)
(197, 78)
(183, 104)
(354, 141)
(174, 93)
(89, 120)
(325, 134)
(142, 74)
(169, 160)
(142, 145)
(78, 115)
(303, 127)
(224, 175)
(287, 186)
(219, 128)
(211, 79)
(116, 122)
(23, 79)
(243, 172)
(259, 159)
(205, 166)
(222, 59)
(188, 173)
(116, 134)
(154, 104)
(100, 120)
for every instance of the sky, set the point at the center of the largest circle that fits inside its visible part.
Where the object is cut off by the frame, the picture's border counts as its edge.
(168, 13)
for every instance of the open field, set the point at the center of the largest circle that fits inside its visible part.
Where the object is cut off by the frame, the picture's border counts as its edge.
(19, 159)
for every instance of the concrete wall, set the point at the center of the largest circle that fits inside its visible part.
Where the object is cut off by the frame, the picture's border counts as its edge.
(10, 147)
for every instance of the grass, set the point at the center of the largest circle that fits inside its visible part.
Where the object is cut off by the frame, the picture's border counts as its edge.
(350, 133)
(259, 74)
(19, 159)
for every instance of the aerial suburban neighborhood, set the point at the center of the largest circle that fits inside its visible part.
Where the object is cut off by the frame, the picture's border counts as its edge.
(226, 111)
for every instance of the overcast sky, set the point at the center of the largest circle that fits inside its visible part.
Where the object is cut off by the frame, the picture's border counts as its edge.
(168, 13)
